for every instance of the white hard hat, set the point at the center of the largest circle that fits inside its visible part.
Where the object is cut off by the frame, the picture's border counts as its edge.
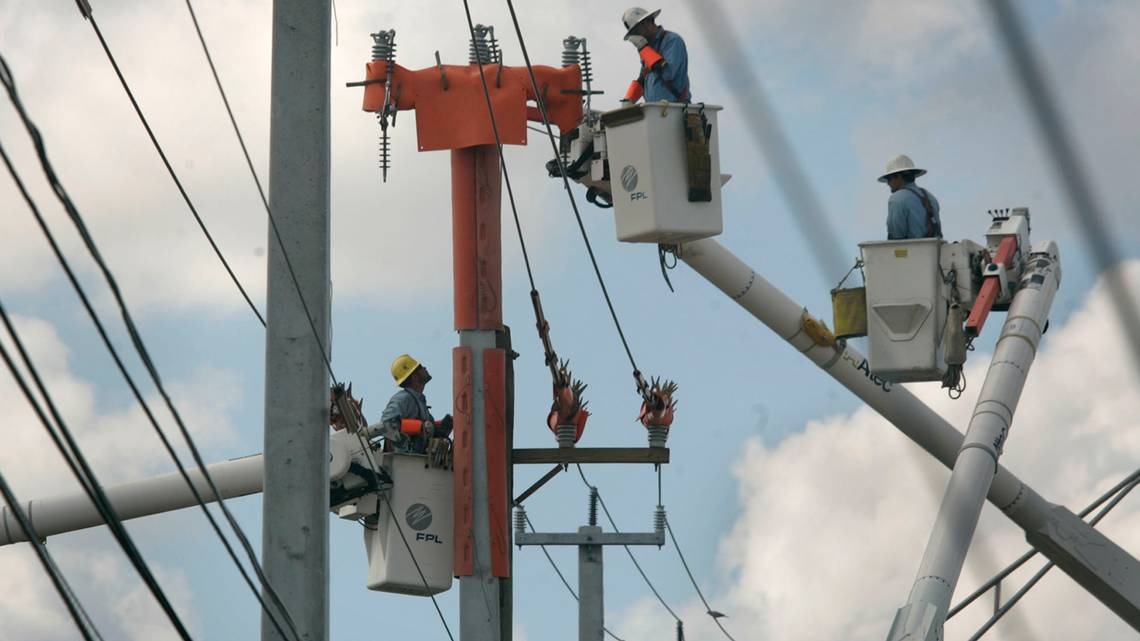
(900, 163)
(635, 16)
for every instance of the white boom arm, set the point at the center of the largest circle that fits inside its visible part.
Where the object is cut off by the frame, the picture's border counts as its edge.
(69, 512)
(1086, 555)
(924, 614)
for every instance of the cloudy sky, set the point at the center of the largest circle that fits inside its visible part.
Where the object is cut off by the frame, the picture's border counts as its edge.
(803, 514)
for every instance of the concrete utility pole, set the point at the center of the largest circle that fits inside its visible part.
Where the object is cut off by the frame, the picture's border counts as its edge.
(295, 519)
(481, 538)
(590, 540)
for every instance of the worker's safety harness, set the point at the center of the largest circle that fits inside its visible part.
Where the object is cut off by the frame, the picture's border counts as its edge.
(933, 227)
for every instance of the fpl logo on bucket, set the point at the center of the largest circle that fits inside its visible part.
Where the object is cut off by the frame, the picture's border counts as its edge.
(629, 182)
(418, 517)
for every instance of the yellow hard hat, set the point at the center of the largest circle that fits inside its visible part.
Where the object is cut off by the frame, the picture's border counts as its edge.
(403, 367)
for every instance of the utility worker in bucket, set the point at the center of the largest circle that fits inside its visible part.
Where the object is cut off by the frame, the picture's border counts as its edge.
(664, 60)
(407, 418)
(912, 212)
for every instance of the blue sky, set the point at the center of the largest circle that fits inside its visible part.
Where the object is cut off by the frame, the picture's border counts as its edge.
(853, 84)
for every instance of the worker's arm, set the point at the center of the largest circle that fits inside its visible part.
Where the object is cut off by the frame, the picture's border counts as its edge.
(401, 404)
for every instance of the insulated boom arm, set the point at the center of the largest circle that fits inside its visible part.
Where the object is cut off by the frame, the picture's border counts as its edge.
(1103, 568)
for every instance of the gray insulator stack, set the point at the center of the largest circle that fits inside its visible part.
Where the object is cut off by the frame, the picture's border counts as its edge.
(384, 45)
(520, 520)
(659, 519)
(593, 506)
(484, 48)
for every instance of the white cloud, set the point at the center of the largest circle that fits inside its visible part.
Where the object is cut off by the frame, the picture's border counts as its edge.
(120, 445)
(833, 520)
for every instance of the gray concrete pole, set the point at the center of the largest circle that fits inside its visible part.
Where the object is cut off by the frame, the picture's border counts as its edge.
(591, 588)
(295, 508)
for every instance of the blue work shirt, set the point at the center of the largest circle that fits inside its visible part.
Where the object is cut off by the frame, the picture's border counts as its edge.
(906, 217)
(676, 71)
(406, 403)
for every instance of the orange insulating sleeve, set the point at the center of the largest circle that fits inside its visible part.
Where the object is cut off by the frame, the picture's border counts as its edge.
(635, 91)
(411, 426)
(650, 58)
(498, 459)
(463, 479)
(476, 196)
(990, 288)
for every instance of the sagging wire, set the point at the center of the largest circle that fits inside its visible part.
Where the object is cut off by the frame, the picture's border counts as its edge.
(74, 607)
(610, 518)
(1013, 600)
(1085, 207)
(567, 392)
(639, 379)
(82, 471)
(136, 341)
(562, 577)
(169, 168)
(1127, 483)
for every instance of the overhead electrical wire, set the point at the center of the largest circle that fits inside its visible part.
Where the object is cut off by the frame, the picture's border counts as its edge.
(74, 607)
(1013, 600)
(815, 226)
(713, 614)
(1116, 494)
(265, 201)
(570, 194)
(562, 577)
(637, 565)
(76, 218)
(169, 168)
(296, 284)
(1084, 206)
(75, 460)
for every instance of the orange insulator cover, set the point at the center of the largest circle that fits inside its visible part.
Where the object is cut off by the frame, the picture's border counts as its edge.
(457, 116)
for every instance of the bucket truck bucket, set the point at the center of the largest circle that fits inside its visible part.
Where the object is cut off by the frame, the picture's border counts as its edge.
(664, 172)
(421, 501)
(907, 302)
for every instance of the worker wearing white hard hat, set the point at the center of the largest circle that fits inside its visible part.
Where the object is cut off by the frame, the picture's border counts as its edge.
(664, 71)
(407, 418)
(912, 212)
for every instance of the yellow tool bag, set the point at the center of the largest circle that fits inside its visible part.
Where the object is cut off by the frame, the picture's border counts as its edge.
(849, 306)
(698, 157)
(849, 310)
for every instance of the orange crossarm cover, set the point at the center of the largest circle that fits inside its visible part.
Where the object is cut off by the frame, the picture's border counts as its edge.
(411, 426)
(457, 117)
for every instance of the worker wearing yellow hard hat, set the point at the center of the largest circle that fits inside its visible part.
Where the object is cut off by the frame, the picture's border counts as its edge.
(407, 417)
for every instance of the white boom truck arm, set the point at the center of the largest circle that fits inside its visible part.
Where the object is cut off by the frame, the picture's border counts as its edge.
(1103, 568)
(656, 140)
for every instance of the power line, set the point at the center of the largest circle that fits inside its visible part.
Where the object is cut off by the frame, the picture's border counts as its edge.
(169, 168)
(499, 145)
(637, 565)
(641, 385)
(367, 450)
(715, 615)
(1084, 206)
(136, 340)
(79, 467)
(1013, 600)
(1127, 482)
(74, 607)
(261, 193)
(768, 135)
(563, 577)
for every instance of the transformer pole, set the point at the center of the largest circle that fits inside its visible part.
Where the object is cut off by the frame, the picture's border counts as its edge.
(482, 544)
(295, 509)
